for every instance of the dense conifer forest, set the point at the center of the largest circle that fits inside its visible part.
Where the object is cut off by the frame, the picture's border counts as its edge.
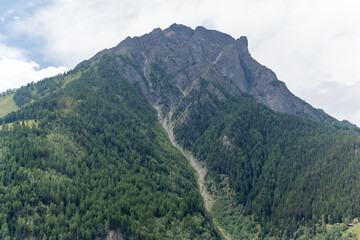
(89, 156)
(283, 170)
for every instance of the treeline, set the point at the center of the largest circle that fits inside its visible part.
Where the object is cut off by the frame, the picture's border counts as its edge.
(35, 90)
(7, 92)
(97, 161)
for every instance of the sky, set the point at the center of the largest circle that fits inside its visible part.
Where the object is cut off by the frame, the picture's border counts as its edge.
(312, 45)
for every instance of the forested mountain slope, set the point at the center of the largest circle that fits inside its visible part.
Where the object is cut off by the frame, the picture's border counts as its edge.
(286, 171)
(86, 154)
(97, 161)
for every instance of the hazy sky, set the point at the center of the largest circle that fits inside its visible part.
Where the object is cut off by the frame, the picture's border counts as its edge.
(312, 45)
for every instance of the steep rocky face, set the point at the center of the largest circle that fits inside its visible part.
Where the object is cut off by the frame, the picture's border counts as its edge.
(168, 65)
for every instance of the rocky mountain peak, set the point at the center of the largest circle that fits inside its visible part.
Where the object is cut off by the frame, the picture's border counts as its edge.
(171, 62)
(243, 40)
(180, 29)
(242, 44)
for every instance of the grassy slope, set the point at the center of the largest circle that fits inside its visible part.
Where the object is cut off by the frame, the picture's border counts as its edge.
(7, 105)
(29, 123)
(355, 230)
(71, 78)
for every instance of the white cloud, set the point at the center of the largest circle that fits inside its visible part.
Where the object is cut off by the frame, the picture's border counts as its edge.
(16, 71)
(75, 30)
(341, 100)
(307, 43)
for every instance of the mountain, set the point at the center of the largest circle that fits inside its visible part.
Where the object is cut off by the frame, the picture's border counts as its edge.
(107, 148)
(88, 157)
(172, 62)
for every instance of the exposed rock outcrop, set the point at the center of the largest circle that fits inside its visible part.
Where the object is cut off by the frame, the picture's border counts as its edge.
(167, 65)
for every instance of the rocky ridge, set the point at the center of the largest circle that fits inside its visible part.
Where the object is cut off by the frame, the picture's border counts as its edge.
(169, 64)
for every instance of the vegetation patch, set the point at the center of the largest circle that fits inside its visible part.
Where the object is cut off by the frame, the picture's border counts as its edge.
(29, 123)
(231, 216)
(7, 105)
(71, 77)
(354, 229)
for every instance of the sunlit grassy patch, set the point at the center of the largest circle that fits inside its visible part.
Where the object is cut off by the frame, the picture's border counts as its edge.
(30, 123)
(7, 105)
(355, 230)
(71, 77)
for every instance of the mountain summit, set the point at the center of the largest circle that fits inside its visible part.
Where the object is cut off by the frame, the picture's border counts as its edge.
(182, 56)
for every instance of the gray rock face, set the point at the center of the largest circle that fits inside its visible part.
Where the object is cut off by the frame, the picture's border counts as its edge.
(167, 64)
